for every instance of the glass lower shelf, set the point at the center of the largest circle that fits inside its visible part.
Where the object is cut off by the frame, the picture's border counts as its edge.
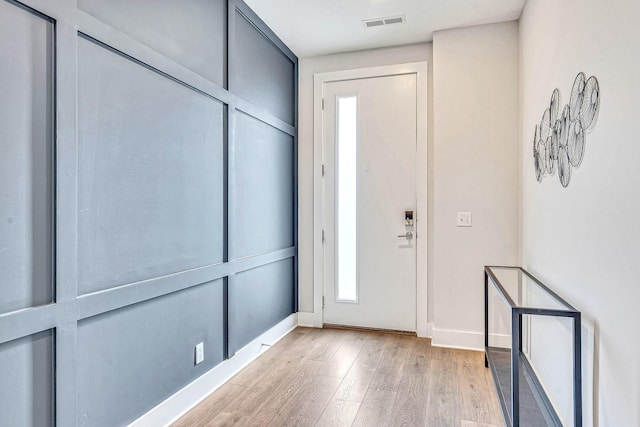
(535, 408)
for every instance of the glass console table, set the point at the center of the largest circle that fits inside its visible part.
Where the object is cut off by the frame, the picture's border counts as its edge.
(522, 397)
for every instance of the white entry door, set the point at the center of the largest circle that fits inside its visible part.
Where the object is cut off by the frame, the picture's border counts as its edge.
(369, 202)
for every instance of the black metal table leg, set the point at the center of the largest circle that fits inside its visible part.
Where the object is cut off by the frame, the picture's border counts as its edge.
(515, 367)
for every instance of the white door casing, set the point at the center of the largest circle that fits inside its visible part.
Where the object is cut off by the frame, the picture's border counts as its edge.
(409, 311)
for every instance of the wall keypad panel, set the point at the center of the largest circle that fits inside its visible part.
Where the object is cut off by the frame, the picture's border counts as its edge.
(147, 200)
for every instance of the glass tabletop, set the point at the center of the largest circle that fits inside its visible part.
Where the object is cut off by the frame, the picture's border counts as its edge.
(522, 290)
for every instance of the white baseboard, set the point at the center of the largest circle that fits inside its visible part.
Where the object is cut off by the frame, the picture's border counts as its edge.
(181, 402)
(309, 320)
(467, 340)
(499, 340)
(426, 332)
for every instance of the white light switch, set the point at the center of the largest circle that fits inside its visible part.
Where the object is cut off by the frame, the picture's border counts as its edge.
(464, 219)
(199, 353)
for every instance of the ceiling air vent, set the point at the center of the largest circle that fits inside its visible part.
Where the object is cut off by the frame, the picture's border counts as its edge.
(389, 20)
(374, 23)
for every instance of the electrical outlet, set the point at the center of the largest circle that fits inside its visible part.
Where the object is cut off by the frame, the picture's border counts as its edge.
(464, 219)
(199, 353)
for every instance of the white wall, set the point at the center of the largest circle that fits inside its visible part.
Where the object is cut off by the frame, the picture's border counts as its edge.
(343, 61)
(473, 166)
(583, 240)
(476, 170)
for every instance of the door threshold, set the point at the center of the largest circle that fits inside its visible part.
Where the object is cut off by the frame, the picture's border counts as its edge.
(365, 329)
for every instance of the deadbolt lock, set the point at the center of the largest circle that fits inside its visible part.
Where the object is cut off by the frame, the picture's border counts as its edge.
(408, 218)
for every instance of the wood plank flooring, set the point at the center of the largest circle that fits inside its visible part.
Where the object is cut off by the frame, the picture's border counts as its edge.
(335, 377)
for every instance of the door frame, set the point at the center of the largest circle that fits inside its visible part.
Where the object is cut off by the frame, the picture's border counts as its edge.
(316, 318)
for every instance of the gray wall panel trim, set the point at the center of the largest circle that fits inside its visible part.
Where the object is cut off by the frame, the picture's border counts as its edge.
(251, 262)
(264, 116)
(226, 136)
(251, 16)
(225, 218)
(192, 32)
(231, 182)
(225, 317)
(29, 321)
(58, 10)
(89, 27)
(25, 6)
(97, 30)
(66, 210)
(112, 299)
(32, 320)
(66, 354)
(144, 64)
(215, 92)
(231, 345)
(295, 192)
(103, 301)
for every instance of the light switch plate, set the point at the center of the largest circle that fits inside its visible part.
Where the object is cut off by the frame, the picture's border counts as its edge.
(199, 353)
(464, 219)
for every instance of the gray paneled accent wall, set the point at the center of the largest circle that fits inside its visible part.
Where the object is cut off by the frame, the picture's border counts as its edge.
(26, 379)
(191, 32)
(151, 176)
(269, 87)
(259, 297)
(145, 352)
(262, 214)
(26, 150)
(147, 200)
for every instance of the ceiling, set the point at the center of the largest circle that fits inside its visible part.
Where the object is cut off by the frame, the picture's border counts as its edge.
(317, 27)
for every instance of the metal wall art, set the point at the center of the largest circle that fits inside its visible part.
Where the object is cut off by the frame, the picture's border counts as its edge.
(560, 138)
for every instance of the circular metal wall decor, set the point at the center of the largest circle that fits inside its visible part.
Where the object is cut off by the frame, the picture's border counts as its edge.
(560, 138)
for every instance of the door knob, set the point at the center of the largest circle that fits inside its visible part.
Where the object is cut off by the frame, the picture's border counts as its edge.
(408, 235)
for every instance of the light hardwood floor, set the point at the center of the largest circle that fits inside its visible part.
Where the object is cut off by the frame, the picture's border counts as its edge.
(331, 377)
